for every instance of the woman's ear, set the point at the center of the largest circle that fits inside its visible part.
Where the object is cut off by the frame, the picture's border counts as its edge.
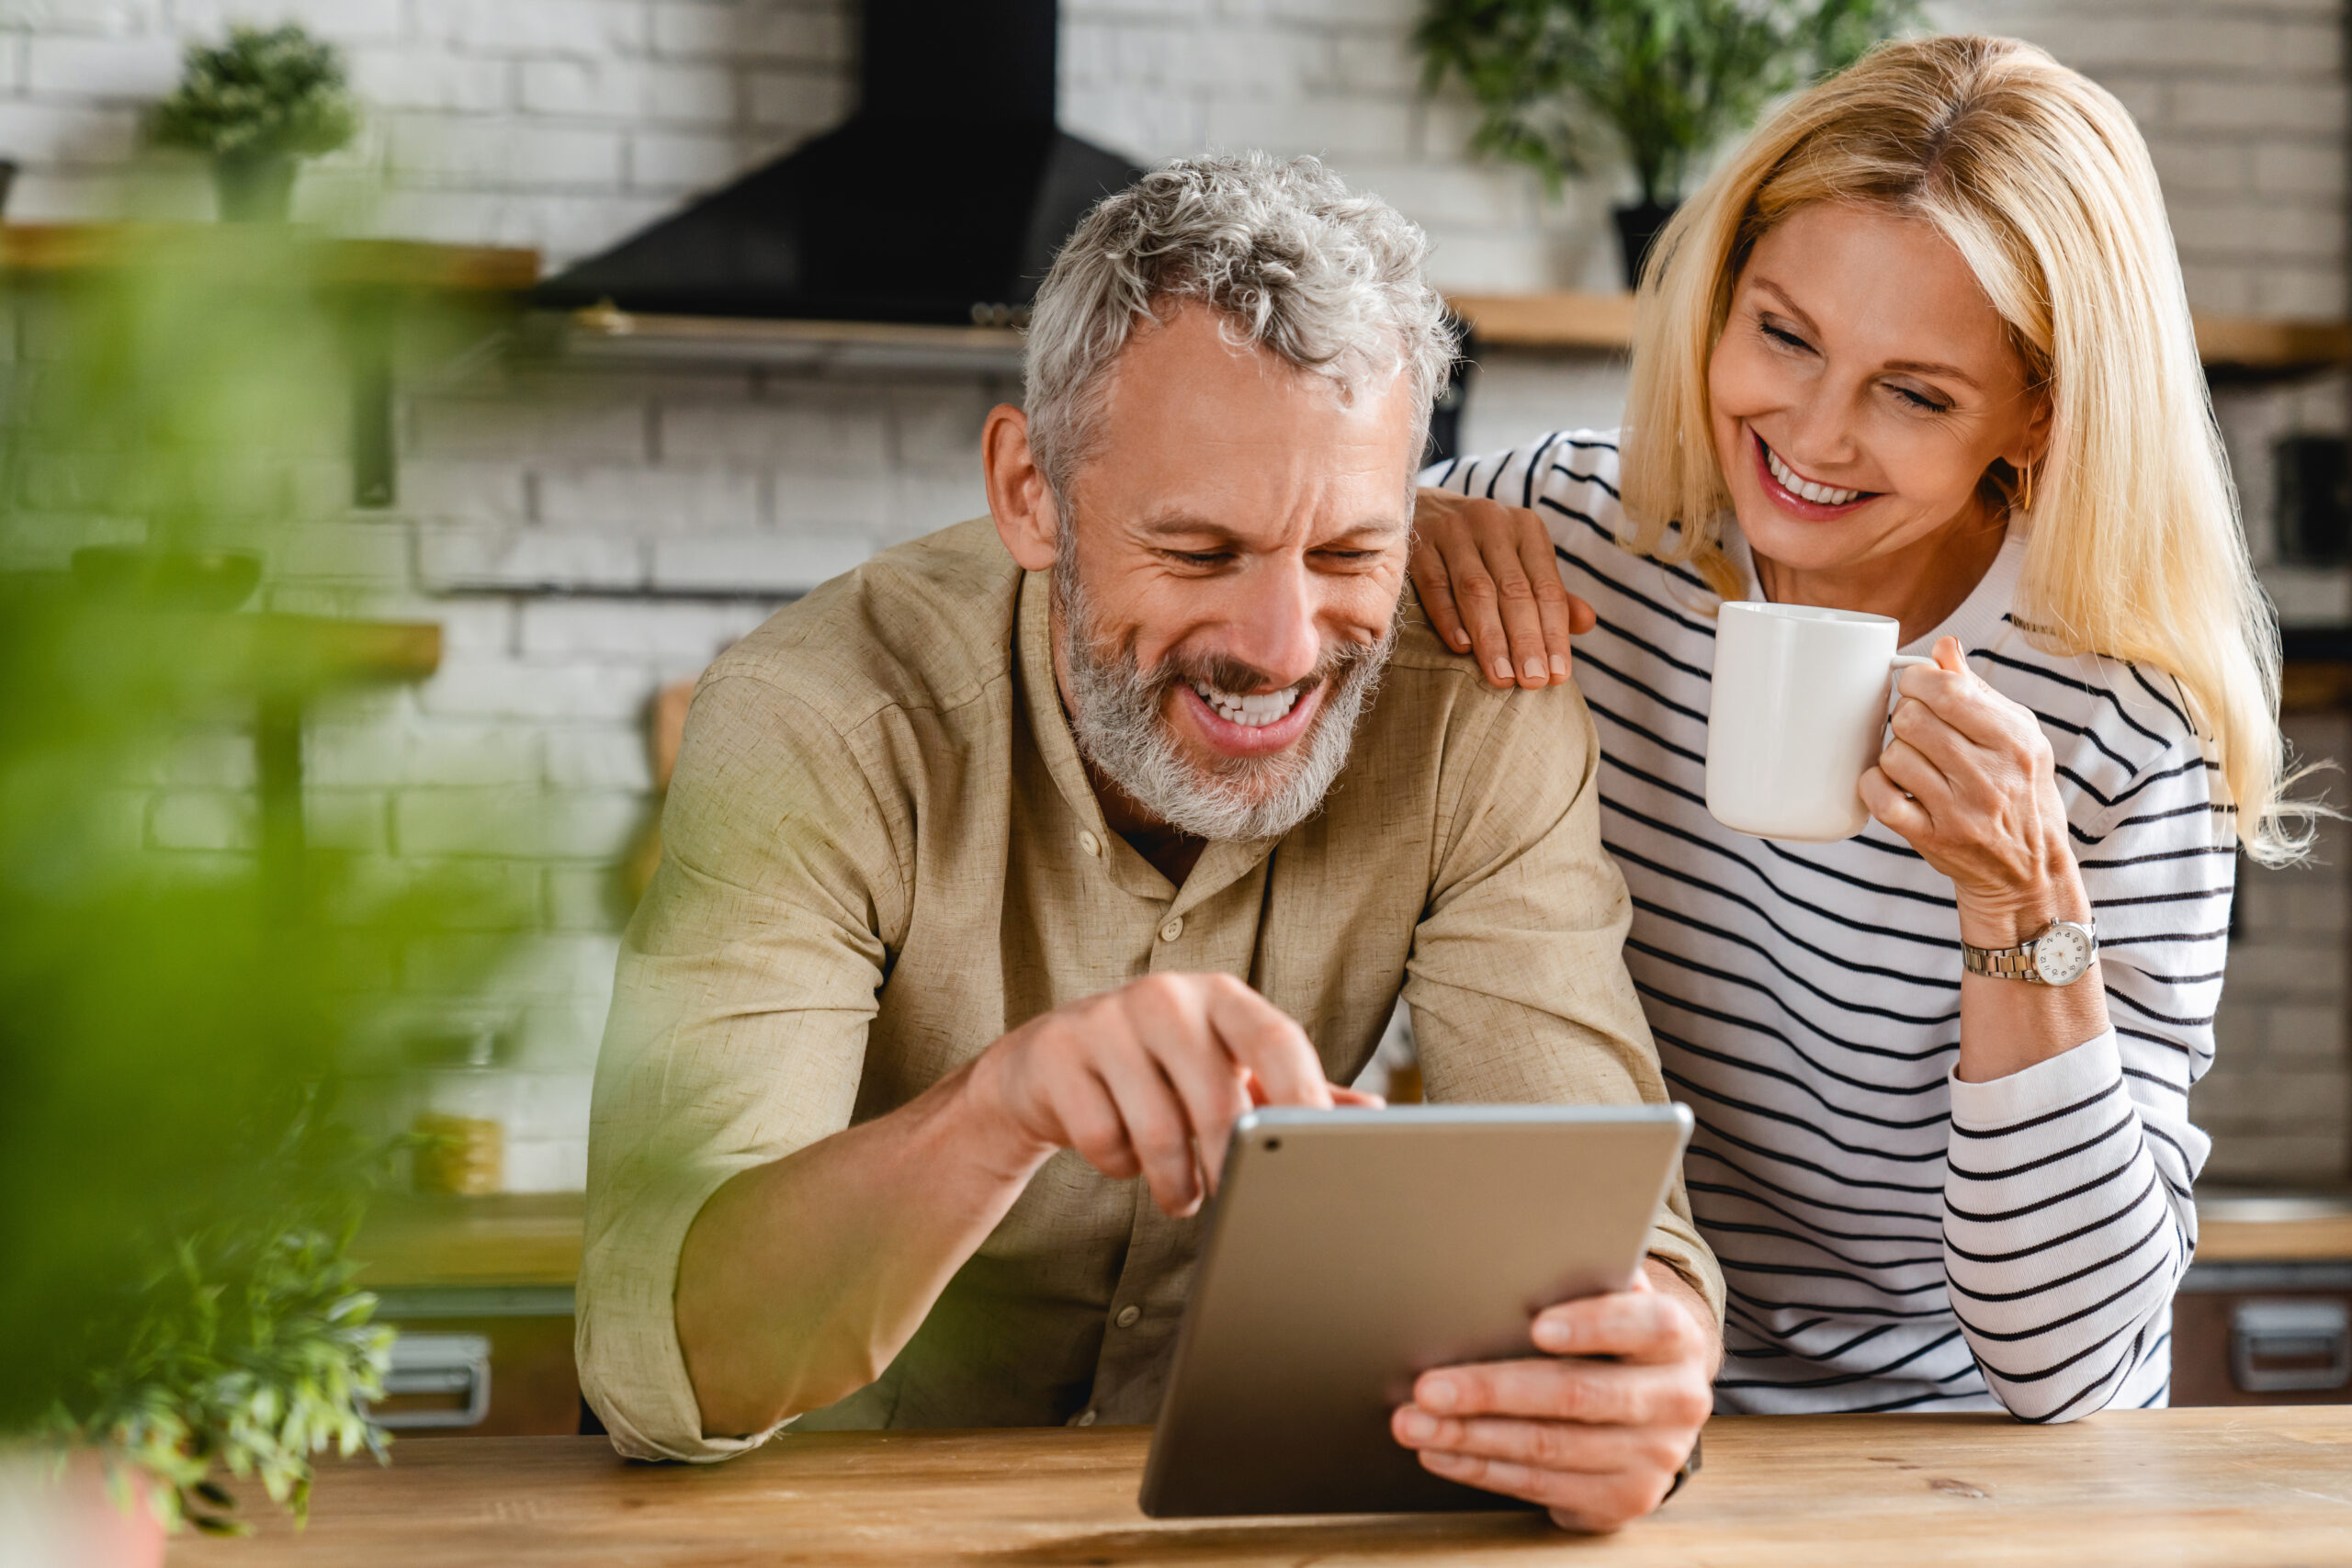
(1019, 498)
(2032, 444)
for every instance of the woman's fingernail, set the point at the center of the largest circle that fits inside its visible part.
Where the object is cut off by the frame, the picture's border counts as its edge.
(1554, 1335)
(1535, 669)
(1502, 668)
(1438, 1394)
(1418, 1427)
(1559, 665)
(1445, 1462)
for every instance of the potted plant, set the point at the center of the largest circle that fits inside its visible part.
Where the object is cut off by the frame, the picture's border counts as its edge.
(185, 1034)
(1665, 81)
(255, 105)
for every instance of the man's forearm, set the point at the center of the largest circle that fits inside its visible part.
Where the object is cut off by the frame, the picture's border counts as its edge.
(800, 1279)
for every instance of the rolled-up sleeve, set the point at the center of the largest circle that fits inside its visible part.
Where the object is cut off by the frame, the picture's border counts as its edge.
(745, 987)
(1517, 980)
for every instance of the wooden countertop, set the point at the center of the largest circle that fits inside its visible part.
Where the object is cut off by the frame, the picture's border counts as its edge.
(64, 248)
(2241, 1487)
(2274, 1229)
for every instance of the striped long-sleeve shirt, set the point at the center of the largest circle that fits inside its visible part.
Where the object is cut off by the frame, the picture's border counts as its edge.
(1894, 1239)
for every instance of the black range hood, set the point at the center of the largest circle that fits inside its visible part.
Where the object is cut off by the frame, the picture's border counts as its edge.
(941, 200)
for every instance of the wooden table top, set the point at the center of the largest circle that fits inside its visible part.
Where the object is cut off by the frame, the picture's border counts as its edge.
(2243, 1487)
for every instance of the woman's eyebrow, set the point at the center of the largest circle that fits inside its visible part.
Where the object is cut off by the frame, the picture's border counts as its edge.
(1906, 366)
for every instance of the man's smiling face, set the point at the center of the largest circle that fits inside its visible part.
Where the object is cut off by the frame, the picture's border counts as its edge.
(1228, 574)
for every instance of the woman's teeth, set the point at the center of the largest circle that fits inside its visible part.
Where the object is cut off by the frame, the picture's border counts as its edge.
(1797, 484)
(1254, 711)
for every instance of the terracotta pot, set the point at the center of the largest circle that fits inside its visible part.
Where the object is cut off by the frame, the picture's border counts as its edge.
(51, 1518)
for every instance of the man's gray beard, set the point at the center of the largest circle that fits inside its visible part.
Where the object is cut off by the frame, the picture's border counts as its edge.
(1116, 715)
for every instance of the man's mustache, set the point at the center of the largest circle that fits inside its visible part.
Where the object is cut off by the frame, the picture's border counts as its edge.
(1244, 679)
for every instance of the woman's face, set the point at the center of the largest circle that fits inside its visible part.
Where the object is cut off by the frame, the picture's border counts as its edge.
(1862, 387)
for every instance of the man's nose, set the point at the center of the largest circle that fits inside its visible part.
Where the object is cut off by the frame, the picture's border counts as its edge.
(1273, 627)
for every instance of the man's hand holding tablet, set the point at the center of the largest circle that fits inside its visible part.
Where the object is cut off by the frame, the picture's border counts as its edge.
(1595, 1430)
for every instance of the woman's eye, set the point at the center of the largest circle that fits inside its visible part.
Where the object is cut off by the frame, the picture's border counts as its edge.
(1922, 402)
(1784, 337)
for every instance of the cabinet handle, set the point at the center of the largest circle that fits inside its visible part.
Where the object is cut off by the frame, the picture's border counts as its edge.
(449, 1365)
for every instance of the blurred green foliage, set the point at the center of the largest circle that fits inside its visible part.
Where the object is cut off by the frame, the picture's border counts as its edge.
(264, 94)
(1664, 80)
(181, 1032)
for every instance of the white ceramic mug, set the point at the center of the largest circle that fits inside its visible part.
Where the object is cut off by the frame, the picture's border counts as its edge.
(1797, 717)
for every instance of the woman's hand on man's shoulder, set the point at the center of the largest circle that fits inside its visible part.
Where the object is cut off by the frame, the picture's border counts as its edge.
(1490, 586)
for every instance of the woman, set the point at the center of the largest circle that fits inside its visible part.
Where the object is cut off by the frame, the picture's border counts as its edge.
(1921, 349)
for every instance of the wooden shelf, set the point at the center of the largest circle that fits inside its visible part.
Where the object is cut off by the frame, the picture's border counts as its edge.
(1605, 322)
(511, 1239)
(603, 332)
(67, 248)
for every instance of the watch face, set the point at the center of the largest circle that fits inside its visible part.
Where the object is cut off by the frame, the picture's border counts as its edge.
(2062, 955)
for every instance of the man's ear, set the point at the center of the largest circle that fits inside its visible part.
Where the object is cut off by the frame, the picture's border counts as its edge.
(1019, 498)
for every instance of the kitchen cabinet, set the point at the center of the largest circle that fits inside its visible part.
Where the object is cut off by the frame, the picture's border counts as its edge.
(2264, 1315)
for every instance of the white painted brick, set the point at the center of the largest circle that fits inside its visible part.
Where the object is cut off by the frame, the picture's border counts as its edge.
(63, 133)
(2280, 229)
(560, 1034)
(548, 1105)
(339, 21)
(2300, 169)
(79, 16)
(547, 964)
(819, 501)
(755, 563)
(612, 757)
(546, 1164)
(683, 161)
(822, 428)
(937, 428)
(534, 419)
(531, 691)
(407, 77)
(584, 898)
(2218, 287)
(554, 630)
(924, 503)
(537, 824)
(536, 157)
(1145, 126)
(204, 819)
(529, 559)
(2255, 106)
(2200, 165)
(344, 819)
(2307, 290)
(588, 28)
(442, 488)
(648, 500)
(627, 90)
(734, 32)
(366, 551)
(138, 68)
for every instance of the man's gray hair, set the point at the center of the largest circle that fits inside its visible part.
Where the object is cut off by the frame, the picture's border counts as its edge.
(1296, 264)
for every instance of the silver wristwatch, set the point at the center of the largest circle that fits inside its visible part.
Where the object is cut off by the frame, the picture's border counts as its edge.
(2058, 955)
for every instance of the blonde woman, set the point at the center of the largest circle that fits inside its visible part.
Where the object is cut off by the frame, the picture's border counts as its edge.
(1921, 349)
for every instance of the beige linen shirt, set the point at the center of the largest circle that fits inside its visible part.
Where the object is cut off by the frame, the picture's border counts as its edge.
(882, 853)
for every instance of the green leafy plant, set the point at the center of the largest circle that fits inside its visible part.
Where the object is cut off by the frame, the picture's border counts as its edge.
(273, 94)
(1664, 80)
(188, 1034)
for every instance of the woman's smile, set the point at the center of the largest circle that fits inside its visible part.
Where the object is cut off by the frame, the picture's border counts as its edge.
(1799, 495)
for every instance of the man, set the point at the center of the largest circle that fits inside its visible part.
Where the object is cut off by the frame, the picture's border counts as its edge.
(1002, 874)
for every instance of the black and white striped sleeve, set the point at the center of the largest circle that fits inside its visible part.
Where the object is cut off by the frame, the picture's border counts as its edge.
(2068, 1216)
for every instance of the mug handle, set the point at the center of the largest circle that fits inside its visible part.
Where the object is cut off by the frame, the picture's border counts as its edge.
(1905, 661)
(1894, 667)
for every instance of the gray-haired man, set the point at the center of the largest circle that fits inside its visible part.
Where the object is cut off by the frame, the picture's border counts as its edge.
(1002, 871)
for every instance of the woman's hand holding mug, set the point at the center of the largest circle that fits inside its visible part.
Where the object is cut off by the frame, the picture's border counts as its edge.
(1968, 780)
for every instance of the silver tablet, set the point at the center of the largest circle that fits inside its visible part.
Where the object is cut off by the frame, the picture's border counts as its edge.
(1351, 1250)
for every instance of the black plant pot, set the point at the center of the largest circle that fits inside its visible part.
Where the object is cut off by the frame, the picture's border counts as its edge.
(253, 189)
(167, 580)
(1637, 231)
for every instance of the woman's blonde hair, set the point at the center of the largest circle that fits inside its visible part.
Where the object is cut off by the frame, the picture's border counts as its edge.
(2039, 180)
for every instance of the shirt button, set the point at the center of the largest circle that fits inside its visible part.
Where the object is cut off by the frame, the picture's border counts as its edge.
(1173, 928)
(1089, 842)
(1127, 1316)
(1086, 1419)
